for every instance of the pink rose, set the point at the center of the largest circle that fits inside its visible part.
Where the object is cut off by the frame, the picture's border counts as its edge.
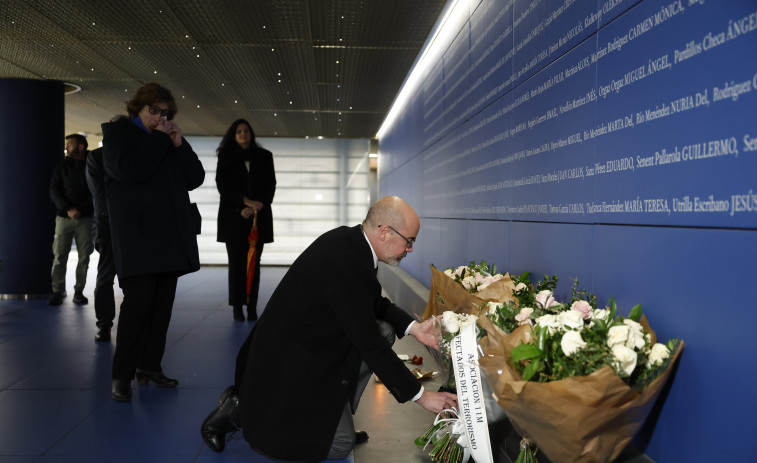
(524, 316)
(545, 298)
(583, 308)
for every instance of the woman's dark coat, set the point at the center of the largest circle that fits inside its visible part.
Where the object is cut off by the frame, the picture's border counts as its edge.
(234, 182)
(153, 224)
(306, 349)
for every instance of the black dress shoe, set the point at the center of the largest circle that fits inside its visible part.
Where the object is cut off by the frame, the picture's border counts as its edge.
(55, 299)
(157, 377)
(103, 335)
(79, 298)
(121, 390)
(360, 437)
(252, 314)
(238, 314)
(222, 420)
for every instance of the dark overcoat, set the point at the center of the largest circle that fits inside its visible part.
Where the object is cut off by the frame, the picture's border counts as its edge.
(234, 182)
(154, 225)
(306, 349)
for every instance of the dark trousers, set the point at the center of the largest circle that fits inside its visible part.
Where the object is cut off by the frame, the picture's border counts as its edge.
(143, 323)
(237, 254)
(105, 303)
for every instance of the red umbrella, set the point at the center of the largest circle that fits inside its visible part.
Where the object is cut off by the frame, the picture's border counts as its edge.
(252, 254)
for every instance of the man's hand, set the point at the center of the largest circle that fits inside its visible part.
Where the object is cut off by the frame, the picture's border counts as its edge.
(437, 401)
(73, 213)
(425, 333)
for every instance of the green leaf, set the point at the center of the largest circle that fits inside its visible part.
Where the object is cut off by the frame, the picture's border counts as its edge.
(635, 314)
(531, 369)
(523, 278)
(420, 442)
(525, 352)
(613, 308)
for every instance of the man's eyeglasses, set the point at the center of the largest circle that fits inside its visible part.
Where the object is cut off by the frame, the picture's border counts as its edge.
(154, 110)
(409, 241)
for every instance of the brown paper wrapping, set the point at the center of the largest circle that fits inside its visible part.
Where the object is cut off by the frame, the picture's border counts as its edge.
(579, 419)
(447, 294)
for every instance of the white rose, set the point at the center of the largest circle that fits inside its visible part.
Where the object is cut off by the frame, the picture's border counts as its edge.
(449, 272)
(636, 339)
(600, 314)
(520, 287)
(449, 322)
(570, 319)
(493, 306)
(625, 359)
(617, 335)
(549, 321)
(571, 342)
(469, 282)
(657, 355)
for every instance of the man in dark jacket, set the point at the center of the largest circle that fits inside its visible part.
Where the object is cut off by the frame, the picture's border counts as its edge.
(328, 318)
(105, 303)
(69, 192)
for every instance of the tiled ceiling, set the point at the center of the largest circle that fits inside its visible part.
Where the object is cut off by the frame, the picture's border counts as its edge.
(293, 68)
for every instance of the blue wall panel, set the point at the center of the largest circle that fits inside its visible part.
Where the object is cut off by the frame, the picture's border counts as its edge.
(687, 280)
(613, 142)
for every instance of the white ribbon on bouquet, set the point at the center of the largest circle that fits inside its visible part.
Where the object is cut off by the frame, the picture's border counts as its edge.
(470, 396)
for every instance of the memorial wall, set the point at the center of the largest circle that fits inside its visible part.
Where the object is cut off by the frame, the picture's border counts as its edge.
(615, 142)
(630, 113)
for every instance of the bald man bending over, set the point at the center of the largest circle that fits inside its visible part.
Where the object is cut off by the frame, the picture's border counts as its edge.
(326, 328)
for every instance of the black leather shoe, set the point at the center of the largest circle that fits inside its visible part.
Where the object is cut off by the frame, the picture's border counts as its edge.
(360, 437)
(79, 298)
(157, 377)
(103, 335)
(222, 420)
(121, 390)
(252, 314)
(238, 314)
(55, 299)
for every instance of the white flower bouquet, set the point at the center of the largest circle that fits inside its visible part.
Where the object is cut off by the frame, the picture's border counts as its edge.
(576, 380)
(466, 289)
(450, 324)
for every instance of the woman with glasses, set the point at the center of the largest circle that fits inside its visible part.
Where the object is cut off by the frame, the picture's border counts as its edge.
(246, 180)
(149, 170)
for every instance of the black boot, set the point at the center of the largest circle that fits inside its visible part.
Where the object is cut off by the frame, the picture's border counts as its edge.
(238, 313)
(221, 421)
(252, 313)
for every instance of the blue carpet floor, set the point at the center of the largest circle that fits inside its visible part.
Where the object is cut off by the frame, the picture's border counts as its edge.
(55, 403)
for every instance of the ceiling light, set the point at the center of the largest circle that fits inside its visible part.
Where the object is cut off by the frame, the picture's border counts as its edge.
(429, 56)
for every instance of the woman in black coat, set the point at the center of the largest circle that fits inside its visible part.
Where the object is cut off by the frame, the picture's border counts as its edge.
(149, 171)
(247, 182)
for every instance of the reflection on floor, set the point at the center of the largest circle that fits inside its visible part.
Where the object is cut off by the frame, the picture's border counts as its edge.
(55, 403)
